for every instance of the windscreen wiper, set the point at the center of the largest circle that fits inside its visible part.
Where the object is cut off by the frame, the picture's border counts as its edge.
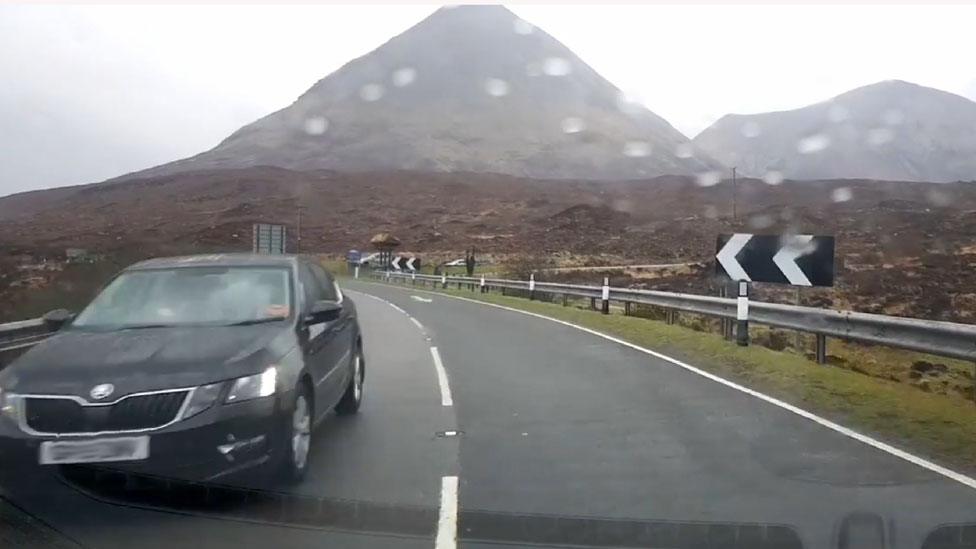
(252, 321)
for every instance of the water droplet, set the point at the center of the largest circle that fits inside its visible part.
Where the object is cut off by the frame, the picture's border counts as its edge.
(684, 150)
(708, 179)
(637, 149)
(773, 177)
(841, 194)
(404, 77)
(521, 26)
(761, 221)
(316, 125)
(838, 114)
(880, 136)
(750, 130)
(556, 66)
(938, 198)
(371, 92)
(496, 87)
(573, 124)
(813, 144)
(711, 212)
(893, 117)
(533, 69)
(629, 103)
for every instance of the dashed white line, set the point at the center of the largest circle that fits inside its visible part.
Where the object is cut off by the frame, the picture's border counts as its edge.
(447, 521)
(965, 480)
(446, 399)
(417, 323)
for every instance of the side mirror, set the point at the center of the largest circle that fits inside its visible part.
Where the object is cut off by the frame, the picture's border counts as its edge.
(323, 311)
(56, 319)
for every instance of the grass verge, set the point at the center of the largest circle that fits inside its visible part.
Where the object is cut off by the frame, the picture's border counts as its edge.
(939, 427)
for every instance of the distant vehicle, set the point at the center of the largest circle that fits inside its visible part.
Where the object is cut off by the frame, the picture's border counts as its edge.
(455, 263)
(193, 367)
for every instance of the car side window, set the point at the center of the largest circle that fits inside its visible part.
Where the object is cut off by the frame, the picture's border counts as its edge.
(311, 288)
(326, 282)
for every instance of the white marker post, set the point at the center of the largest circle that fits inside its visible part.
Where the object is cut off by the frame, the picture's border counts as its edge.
(605, 295)
(413, 278)
(531, 286)
(444, 281)
(483, 287)
(355, 272)
(742, 315)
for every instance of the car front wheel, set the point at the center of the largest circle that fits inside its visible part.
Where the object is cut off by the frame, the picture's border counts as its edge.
(298, 440)
(352, 399)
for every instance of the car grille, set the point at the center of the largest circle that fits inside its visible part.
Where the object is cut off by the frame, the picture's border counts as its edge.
(62, 415)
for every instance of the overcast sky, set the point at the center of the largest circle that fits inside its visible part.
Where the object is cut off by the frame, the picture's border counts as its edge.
(92, 92)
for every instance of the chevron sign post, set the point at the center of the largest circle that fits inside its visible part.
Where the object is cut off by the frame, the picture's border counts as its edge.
(798, 260)
(401, 263)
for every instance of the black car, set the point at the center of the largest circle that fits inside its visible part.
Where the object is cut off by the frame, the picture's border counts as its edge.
(192, 367)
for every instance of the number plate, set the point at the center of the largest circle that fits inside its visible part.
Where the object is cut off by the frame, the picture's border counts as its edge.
(94, 451)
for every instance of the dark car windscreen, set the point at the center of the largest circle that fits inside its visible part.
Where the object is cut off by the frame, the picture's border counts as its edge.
(190, 296)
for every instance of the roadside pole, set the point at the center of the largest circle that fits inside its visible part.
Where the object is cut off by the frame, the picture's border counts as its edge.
(483, 287)
(531, 286)
(355, 272)
(605, 295)
(443, 281)
(742, 315)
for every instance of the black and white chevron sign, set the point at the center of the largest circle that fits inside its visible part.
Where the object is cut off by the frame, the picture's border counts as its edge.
(402, 263)
(799, 260)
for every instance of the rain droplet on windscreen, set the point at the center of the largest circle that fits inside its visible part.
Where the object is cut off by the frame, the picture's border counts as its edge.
(938, 198)
(773, 177)
(838, 114)
(637, 149)
(761, 221)
(708, 179)
(521, 26)
(572, 124)
(813, 144)
(556, 66)
(750, 130)
(316, 125)
(628, 103)
(880, 136)
(533, 69)
(371, 92)
(684, 150)
(893, 117)
(841, 194)
(496, 87)
(404, 77)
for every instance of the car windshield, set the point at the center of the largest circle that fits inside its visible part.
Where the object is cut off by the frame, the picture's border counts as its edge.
(189, 296)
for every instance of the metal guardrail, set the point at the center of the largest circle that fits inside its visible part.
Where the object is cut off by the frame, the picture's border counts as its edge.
(946, 339)
(17, 337)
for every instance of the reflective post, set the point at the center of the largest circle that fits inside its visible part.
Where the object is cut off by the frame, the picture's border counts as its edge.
(742, 315)
(605, 296)
(532, 286)
(443, 281)
(355, 272)
(483, 287)
(413, 277)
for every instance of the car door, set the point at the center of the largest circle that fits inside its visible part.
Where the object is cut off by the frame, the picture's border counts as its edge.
(318, 336)
(341, 343)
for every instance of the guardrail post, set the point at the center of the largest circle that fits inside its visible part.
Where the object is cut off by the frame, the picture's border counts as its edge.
(742, 315)
(821, 349)
(444, 281)
(592, 303)
(626, 308)
(565, 300)
(531, 286)
(605, 296)
(483, 287)
(670, 316)
(413, 278)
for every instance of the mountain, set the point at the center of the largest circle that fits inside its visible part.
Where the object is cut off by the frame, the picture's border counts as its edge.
(891, 130)
(471, 88)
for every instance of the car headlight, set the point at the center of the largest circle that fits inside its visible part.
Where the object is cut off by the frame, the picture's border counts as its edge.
(8, 405)
(203, 397)
(256, 386)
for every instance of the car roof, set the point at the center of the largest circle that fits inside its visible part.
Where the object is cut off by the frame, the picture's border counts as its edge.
(217, 260)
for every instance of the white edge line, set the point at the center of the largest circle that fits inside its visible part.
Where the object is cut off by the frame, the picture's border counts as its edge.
(417, 323)
(447, 520)
(446, 399)
(884, 447)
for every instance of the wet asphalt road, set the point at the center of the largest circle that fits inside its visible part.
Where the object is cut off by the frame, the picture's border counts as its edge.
(564, 438)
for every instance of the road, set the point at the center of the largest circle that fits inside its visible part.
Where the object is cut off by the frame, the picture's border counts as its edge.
(560, 437)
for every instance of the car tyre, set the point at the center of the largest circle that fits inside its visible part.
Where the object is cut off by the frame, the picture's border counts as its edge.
(297, 443)
(352, 399)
